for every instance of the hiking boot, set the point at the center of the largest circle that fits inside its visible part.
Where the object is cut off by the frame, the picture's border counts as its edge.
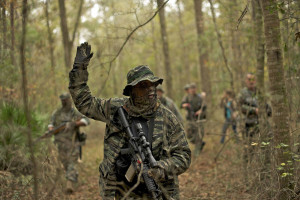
(69, 187)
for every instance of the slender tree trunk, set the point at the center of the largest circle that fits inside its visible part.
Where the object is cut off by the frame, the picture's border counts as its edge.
(202, 50)
(25, 98)
(265, 133)
(184, 52)
(164, 36)
(51, 48)
(4, 26)
(65, 33)
(68, 44)
(12, 32)
(221, 44)
(157, 68)
(278, 96)
(1, 49)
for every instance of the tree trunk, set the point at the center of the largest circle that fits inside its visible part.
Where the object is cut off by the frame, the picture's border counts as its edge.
(202, 50)
(265, 133)
(184, 53)
(65, 34)
(221, 45)
(4, 26)
(278, 96)
(68, 44)
(25, 98)
(12, 32)
(51, 48)
(164, 36)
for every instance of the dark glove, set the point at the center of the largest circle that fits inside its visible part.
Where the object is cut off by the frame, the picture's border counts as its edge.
(83, 56)
(157, 174)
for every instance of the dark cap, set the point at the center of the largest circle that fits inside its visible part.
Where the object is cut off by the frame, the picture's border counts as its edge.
(193, 85)
(138, 74)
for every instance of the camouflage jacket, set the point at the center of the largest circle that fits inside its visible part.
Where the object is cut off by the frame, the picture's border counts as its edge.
(196, 103)
(169, 145)
(247, 101)
(166, 101)
(60, 116)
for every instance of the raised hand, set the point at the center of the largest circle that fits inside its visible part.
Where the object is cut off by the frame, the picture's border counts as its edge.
(83, 56)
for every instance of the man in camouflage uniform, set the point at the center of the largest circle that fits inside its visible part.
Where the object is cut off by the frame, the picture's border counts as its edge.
(67, 141)
(247, 101)
(166, 101)
(169, 144)
(196, 112)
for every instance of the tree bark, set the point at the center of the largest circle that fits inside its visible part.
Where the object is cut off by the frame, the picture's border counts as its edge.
(164, 37)
(4, 26)
(51, 48)
(68, 44)
(12, 32)
(278, 96)
(184, 52)
(25, 98)
(202, 50)
(221, 45)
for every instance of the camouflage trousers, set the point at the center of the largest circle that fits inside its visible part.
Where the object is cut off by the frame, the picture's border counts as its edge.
(68, 155)
(250, 140)
(195, 133)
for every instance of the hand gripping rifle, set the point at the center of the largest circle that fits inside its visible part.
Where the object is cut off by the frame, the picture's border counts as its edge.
(140, 153)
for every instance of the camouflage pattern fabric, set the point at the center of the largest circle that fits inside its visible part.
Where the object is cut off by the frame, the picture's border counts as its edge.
(193, 132)
(167, 102)
(169, 144)
(247, 101)
(68, 148)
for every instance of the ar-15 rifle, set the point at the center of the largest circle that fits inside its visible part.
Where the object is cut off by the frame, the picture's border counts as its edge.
(139, 150)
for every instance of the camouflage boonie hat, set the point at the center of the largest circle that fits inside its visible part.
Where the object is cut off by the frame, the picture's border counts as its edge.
(187, 86)
(159, 88)
(193, 85)
(138, 74)
(64, 96)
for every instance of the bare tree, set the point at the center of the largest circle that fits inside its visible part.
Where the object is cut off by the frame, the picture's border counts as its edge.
(12, 32)
(184, 52)
(202, 51)
(51, 48)
(164, 37)
(67, 42)
(4, 25)
(278, 96)
(25, 98)
(221, 44)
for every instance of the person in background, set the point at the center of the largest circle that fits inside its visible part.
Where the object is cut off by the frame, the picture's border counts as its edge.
(229, 105)
(67, 141)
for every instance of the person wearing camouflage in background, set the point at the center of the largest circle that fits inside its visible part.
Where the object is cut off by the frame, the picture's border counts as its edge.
(247, 101)
(166, 101)
(169, 145)
(67, 141)
(196, 111)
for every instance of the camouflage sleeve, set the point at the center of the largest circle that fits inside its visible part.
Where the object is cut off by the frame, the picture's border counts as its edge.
(179, 153)
(82, 117)
(52, 120)
(92, 107)
(184, 100)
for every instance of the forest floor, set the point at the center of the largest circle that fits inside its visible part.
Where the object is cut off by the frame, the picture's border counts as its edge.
(205, 179)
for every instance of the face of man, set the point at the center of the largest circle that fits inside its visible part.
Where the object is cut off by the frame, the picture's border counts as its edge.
(192, 90)
(250, 81)
(143, 92)
(66, 103)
